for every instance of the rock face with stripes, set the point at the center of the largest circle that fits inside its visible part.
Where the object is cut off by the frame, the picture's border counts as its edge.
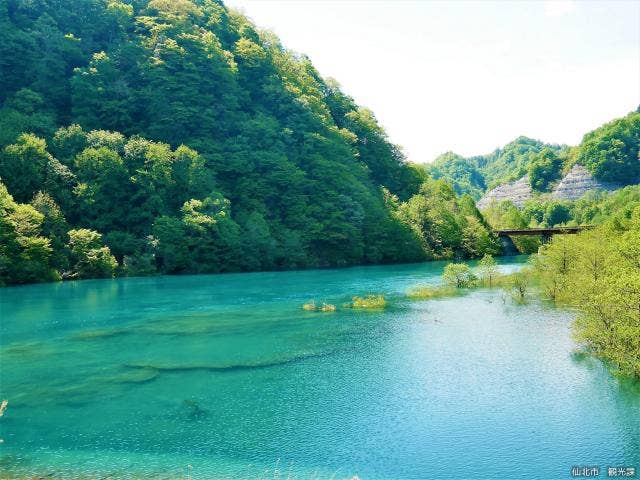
(573, 186)
(578, 182)
(518, 192)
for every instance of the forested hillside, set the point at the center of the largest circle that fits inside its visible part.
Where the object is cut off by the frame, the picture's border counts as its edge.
(475, 175)
(610, 153)
(172, 136)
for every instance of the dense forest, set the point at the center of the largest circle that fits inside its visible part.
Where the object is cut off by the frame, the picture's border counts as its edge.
(172, 136)
(475, 175)
(598, 273)
(610, 153)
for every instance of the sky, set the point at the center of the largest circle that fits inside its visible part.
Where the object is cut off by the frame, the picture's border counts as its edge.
(470, 76)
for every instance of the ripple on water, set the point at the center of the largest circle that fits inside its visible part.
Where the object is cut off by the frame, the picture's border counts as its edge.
(143, 377)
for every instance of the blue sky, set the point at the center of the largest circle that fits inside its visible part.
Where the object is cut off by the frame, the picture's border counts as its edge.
(469, 76)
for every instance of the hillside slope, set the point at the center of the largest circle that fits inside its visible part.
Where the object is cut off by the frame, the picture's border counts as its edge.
(185, 121)
(577, 183)
(474, 175)
(607, 158)
(172, 136)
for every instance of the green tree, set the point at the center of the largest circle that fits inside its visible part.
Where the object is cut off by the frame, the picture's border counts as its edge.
(488, 268)
(463, 174)
(55, 227)
(458, 275)
(598, 273)
(25, 111)
(556, 213)
(545, 167)
(27, 167)
(25, 255)
(611, 151)
(89, 258)
(518, 286)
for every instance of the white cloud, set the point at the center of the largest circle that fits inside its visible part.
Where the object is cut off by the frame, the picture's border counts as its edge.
(557, 8)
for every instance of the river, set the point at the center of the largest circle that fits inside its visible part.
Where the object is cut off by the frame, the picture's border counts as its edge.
(225, 376)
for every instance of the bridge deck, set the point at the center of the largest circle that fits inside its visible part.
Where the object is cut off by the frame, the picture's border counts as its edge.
(542, 231)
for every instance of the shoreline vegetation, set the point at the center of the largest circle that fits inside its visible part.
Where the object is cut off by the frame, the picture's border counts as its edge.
(596, 272)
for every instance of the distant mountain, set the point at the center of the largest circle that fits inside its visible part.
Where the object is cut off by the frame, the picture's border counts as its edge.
(474, 175)
(606, 159)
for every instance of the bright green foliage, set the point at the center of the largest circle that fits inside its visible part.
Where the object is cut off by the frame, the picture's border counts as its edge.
(462, 173)
(54, 227)
(517, 286)
(184, 103)
(545, 168)
(557, 213)
(512, 161)
(598, 272)
(27, 166)
(203, 240)
(89, 258)
(431, 292)
(474, 175)
(504, 215)
(592, 209)
(459, 275)
(533, 212)
(611, 151)
(488, 269)
(448, 226)
(25, 255)
(370, 302)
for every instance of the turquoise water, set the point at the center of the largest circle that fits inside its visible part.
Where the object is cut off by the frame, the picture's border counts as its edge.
(224, 376)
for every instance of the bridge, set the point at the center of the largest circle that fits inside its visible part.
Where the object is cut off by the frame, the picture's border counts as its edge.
(546, 234)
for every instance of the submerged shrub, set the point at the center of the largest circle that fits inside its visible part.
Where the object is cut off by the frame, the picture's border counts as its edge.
(310, 306)
(369, 302)
(459, 275)
(428, 292)
(488, 269)
(517, 285)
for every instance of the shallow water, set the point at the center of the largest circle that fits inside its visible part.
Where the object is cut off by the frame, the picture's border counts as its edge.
(224, 376)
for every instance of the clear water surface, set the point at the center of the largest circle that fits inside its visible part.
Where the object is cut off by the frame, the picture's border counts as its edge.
(224, 376)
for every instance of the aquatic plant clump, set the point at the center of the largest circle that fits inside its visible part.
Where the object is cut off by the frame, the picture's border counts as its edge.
(312, 307)
(429, 292)
(370, 302)
(516, 285)
(459, 275)
(328, 307)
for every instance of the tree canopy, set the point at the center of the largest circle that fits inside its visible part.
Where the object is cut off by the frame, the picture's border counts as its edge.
(475, 175)
(612, 152)
(176, 137)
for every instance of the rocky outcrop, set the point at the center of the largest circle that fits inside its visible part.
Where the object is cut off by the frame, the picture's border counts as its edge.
(518, 192)
(578, 182)
(573, 186)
